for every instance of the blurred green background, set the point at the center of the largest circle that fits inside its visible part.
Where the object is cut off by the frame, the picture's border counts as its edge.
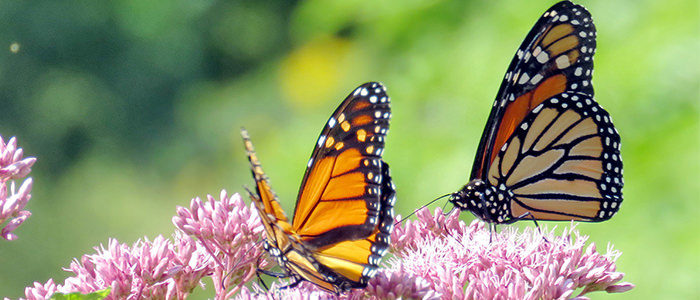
(133, 107)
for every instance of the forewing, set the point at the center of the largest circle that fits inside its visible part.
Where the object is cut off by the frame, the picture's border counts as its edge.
(556, 56)
(340, 194)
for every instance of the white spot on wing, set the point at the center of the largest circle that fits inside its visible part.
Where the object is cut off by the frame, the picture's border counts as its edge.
(524, 78)
(562, 61)
(537, 109)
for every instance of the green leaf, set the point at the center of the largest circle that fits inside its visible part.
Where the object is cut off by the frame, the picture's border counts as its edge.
(78, 296)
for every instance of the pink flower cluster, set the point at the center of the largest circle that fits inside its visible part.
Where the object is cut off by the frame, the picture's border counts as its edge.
(466, 262)
(389, 284)
(440, 257)
(155, 269)
(434, 257)
(385, 285)
(12, 200)
(218, 238)
(232, 235)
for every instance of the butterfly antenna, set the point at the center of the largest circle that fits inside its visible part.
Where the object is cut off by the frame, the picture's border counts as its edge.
(250, 193)
(422, 207)
(245, 254)
(449, 212)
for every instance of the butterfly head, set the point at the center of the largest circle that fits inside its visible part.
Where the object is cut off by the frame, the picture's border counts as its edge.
(472, 197)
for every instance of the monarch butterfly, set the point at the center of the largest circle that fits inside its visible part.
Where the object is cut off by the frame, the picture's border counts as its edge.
(344, 213)
(549, 151)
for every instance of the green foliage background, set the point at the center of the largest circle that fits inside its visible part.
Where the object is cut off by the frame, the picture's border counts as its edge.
(133, 107)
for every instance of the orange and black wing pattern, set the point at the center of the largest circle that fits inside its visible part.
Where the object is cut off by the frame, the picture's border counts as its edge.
(562, 163)
(340, 194)
(344, 212)
(556, 56)
(548, 151)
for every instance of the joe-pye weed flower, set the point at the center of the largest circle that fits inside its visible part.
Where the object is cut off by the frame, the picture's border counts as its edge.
(437, 256)
(13, 200)
(217, 238)
(231, 233)
(466, 262)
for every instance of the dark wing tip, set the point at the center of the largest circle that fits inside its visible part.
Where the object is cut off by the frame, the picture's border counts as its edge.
(567, 6)
(372, 88)
(373, 84)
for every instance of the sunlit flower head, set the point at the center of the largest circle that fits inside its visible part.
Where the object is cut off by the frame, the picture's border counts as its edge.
(231, 232)
(470, 262)
(155, 269)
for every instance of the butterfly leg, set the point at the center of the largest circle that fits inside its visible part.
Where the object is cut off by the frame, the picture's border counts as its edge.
(492, 231)
(278, 275)
(260, 280)
(293, 284)
(258, 271)
(274, 274)
(528, 215)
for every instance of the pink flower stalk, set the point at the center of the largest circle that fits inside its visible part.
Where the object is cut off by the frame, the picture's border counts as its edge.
(151, 270)
(466, 262)
(231, 232)
(12, 202)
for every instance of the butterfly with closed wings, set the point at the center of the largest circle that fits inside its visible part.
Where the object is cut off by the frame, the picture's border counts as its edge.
(344, 213)
(549, 151)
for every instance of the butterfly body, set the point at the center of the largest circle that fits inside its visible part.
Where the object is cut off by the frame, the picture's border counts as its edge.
(344, 212)
(549, 151)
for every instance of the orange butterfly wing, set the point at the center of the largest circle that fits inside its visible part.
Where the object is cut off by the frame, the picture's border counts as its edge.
(340, 194)
(556, 56)
(344, 212)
